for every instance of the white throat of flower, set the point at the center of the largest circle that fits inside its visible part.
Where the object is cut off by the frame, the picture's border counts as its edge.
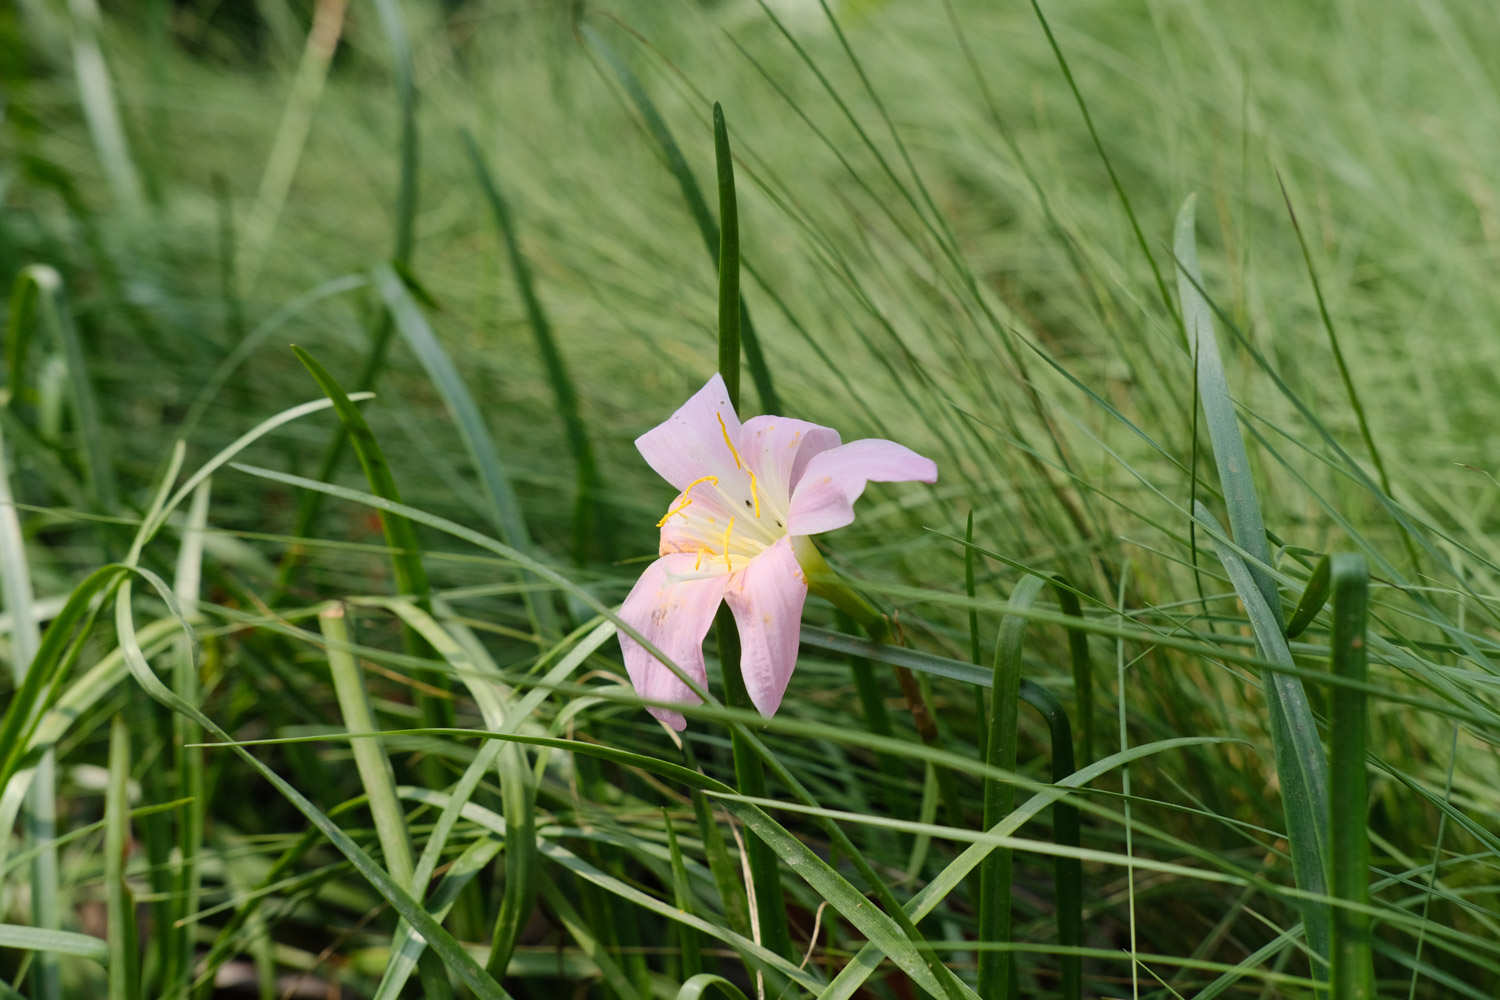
(724, 518)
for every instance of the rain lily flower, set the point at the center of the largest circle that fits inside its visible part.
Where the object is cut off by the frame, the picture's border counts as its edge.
(746, 493)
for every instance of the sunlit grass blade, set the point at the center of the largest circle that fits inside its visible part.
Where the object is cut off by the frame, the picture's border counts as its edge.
(100, 108)
(53, 942)
(590, 510)
(1351, 973)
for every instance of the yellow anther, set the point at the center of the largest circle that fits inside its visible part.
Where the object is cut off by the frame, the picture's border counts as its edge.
(755, 495)
(728, 566)
(725, 431)
(675, 510)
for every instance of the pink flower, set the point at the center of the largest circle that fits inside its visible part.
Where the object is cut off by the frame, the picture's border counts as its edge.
(744, 492)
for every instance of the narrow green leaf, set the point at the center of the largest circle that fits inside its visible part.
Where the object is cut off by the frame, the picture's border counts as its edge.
(729, 262)
(697, 987)
(689, 943)
(370, 760)
(1235, 479)
(995, 967)
(1300, 763)
(1313, 598)
(53, 942)
(1351, 974)
(124, 976)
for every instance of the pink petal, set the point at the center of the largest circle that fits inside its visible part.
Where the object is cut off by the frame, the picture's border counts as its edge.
(671, 607)
(690, 443)
(766, 598)
(824, 496)
(778, 450)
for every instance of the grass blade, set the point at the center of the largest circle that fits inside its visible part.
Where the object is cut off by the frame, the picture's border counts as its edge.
(1351, 974)
(124, 975)
(995, 967)
(1300, 763)
(41, 801)
(53, 942)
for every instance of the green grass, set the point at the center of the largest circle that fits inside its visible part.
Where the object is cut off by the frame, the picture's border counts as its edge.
(1182, 299)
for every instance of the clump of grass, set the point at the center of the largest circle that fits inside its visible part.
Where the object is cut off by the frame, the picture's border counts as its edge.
(496, 220)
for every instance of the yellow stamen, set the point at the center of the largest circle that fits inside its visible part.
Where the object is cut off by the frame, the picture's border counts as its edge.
(728, 566)
(686, 499)
(675, 510)
(755, 495)
(725, 431)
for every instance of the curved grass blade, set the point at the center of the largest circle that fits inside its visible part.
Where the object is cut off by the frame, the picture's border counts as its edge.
(697, 987)
(453, 955)
(589, 511)
(1351, 974)
(696, 203)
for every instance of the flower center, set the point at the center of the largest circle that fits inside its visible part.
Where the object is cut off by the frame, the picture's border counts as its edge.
(724, 519)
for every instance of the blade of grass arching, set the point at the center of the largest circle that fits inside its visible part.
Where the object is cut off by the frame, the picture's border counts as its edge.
(41, 800)
(697, 987)
(1300, 764)
(696, 203)
(190, 783)
(100, 111)
(406, 552)
(1235, 479)
(505, 508)
(39, 289)
(689, 942)
(453, 955)
(589, 513)
(1351, 973)
(749, 772)
(124, 976)
(627, 891)
(995, 967)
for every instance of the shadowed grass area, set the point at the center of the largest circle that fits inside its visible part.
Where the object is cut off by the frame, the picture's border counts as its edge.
(964, 226)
